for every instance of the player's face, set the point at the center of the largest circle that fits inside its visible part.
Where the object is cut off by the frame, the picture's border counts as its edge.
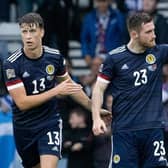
(147, 36)
(31, 36)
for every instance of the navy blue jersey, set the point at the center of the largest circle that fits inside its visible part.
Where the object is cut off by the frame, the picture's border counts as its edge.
(37, 76)
(136, 81)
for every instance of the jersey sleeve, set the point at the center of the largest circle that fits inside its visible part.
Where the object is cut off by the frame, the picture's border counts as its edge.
(11, 77)
(106, 70)
(61, 67)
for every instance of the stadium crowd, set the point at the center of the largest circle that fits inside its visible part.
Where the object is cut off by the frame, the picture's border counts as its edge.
(99, 26)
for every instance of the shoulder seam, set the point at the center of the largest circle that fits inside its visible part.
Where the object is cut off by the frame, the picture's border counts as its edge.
(15, 56)
(117, 50)
(51, 50)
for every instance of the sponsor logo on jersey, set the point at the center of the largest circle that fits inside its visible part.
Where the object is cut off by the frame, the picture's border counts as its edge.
(150, 59)
(50, 69)
(162, 158)
(10, 73)
(25, 74)
(55, 148)
(116, 159)
(125, 66)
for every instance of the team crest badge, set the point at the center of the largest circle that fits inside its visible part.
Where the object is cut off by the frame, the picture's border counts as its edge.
(150, 59)
(10, 73)
(50, 69)
(116, 159)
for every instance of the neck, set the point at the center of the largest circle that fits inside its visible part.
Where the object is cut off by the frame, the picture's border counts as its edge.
(33, 53)
(135, 47)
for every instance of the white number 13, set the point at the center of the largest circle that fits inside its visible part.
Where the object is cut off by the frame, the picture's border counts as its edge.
(41, 85)
(53, 138)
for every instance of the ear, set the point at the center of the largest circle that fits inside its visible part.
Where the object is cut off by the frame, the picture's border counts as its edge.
(134, 34)
(42, 33)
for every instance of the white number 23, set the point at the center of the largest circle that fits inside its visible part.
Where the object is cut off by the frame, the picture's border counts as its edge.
(140, 77)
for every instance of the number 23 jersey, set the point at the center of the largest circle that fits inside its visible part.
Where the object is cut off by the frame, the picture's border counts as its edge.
(136, 87)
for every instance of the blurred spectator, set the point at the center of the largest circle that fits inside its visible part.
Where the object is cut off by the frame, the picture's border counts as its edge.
(56, 16)
(161, 25)
(98, 34)
(78, 141)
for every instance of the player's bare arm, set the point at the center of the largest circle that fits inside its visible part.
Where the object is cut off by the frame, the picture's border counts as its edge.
(99, 126)
(82, 98)
(25, 102)
(79, 96)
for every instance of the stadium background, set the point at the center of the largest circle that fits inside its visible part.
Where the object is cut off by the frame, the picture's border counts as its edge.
(10, 40)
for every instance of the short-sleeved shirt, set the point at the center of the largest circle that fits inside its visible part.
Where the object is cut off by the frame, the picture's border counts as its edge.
(37, 76)
(136, 86)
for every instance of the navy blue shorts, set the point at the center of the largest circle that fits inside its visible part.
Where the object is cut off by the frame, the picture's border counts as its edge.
(31, 144)
(138, 149)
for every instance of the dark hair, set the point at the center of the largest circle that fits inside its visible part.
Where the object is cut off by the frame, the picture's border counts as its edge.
(135, 20)
(32, 18)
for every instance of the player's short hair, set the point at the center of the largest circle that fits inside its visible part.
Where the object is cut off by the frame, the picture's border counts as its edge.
(32, 18)
(136, 19)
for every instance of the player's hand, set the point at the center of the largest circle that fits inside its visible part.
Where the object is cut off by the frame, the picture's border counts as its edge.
(106, 116)
(99, 127)
(67, 88)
